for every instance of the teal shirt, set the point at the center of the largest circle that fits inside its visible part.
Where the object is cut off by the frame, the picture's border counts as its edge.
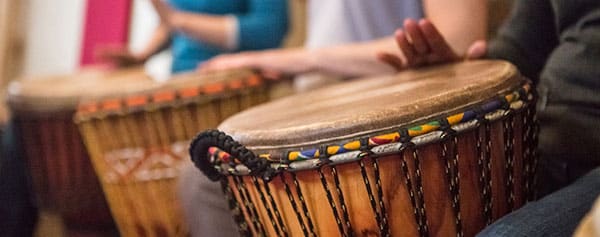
(262, 24)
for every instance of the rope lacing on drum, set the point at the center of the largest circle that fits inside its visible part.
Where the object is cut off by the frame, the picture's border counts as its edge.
(216, 138)
(199, 155)
(533, 139)
(381, 213)
(340, 224)
(273, 211)
(238, 215)
(509, 141)
(483, 146)
(301, 199)
(250, 208)
(452, 171)
(339, 192)
(292, 200)
(237, 212)
(417, 200)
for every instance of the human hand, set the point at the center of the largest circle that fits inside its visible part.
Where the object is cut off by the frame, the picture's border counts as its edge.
(422, 44)
(119, 56)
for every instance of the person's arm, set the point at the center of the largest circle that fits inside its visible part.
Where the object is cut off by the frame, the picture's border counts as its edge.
(123, 57)
(422, 44)
(263, 26)
(211, 29)
(526, 39)
(461, 22)
(358, 59)
(157, 42)
(345, 60)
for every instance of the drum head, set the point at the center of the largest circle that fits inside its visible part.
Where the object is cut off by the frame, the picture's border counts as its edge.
(368, 106)
(63, 93)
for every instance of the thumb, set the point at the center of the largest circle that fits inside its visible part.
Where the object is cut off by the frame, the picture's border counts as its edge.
(477, 50)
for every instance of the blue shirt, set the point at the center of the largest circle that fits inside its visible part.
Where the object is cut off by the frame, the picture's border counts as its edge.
(262, 24)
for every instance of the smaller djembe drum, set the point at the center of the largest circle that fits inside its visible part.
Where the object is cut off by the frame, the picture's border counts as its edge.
(62, 174)
(138, 143)
(438, 151)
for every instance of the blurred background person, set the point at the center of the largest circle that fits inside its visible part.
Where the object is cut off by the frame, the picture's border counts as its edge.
(197, 30)
(38, 37)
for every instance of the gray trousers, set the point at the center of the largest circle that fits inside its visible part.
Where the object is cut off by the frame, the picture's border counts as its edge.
(204, 205)
(556, 215)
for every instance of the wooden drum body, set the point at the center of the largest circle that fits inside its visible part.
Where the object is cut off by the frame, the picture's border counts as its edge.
(440, 151)
(62, 174)
(139, 143)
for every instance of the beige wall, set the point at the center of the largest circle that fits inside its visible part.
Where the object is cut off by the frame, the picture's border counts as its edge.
(11, 39)
(11, 46)
(143, 22)
(297, 30)
(54, 32)
(53, 36)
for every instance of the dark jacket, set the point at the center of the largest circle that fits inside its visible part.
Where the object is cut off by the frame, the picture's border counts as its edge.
(557, 44)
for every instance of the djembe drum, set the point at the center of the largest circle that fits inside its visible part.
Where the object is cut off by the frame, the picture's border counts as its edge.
(439, 151)
(63, 177)
(139, 143)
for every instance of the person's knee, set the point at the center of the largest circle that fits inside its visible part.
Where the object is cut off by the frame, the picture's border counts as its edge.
(590, 181)
(554, 215)
(503, 230)
(595, 173)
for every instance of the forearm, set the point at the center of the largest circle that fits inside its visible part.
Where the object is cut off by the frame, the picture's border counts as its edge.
(157, 42)
(461, 22)
(210, 29)
(353, 60)
(348, 60)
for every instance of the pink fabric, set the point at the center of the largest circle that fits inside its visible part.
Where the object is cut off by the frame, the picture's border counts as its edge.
(106, 24)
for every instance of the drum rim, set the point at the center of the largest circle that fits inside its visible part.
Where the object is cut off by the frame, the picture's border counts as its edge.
(25, 101)
(296, 135)
(494, 109)
(169, 95)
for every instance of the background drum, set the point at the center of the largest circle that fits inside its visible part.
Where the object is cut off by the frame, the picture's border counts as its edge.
(62, 175)
(138, 143)
(440, 151)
